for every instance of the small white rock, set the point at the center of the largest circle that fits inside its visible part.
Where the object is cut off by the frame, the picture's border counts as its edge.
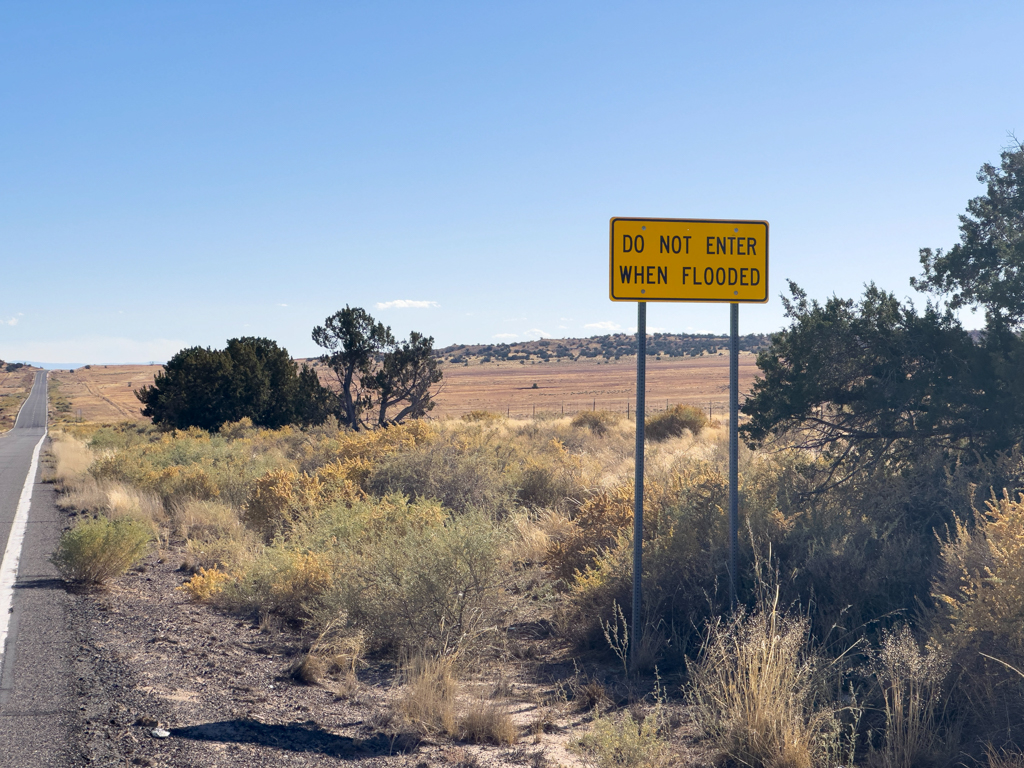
(159, 733)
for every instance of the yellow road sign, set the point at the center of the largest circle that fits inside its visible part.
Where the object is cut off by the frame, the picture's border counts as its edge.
(689, 260)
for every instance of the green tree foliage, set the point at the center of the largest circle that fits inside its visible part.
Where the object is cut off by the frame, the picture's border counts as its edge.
(406, 379)
(381, 381)
(251, 377)
(986, 268)
(873, 378)
(354, 341)
(862, 381)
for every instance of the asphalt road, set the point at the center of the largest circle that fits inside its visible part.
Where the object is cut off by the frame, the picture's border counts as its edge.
(38, 705)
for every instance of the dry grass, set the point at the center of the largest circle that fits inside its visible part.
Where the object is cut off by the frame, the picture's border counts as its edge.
(488, 723)
(432, 704)
(757, 692)
(72, 459)
(533, 535)
(428, 701)
(105, 392)
(1001, 758)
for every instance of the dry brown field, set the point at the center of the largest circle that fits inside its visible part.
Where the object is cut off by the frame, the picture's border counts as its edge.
(14, 389)
(570, 386)
(107, 393)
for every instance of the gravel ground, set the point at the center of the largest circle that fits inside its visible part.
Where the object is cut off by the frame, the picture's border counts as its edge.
(223, 690)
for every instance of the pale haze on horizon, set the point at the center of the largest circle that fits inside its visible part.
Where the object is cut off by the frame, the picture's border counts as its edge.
(178, 174)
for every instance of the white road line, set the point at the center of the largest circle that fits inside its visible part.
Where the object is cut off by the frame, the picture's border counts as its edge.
(9, 566)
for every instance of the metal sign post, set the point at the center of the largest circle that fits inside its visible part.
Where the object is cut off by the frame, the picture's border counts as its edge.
(734, 417)
(638, 482)
(686, 260)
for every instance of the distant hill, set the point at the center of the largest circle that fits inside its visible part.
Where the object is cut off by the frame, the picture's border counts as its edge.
(609, 346)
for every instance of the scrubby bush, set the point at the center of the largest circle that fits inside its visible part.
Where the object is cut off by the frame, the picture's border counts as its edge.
(625, 743)
(598, 422)
(99, 549)
(434, 588)
(684, 557)
(205, 585)
(481, 415)
(674, 422)
(463, 469)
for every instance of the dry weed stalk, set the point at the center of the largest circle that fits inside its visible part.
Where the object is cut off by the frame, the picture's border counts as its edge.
(911, 685)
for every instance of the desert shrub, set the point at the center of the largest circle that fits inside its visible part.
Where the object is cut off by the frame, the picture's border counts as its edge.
(270, 509)
(214, 535)
(674, 422)
(203, 520)
(117, 436)
(481, 416)
(282, 496)
(684, 561)
(229, 552)
(283, 581)
(550, 476)
(596, 527)
(434, 588)
(346, 526)
(308, 573)
(99, 549)
(463, 469)
(597, 422)
(684, 504)
(981, 584)
(340, 445)
(195, 464)
(205, 585)
(623, 742)
(761, 694)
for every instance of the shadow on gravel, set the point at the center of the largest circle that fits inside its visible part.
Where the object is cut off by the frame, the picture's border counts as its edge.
(40, 583)
(297, 737)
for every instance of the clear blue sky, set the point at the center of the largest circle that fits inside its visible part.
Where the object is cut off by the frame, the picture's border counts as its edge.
(179, 173)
